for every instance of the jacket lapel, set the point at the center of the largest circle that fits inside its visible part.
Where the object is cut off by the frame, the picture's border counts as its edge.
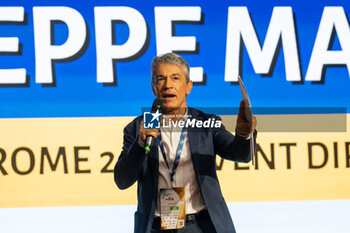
(193, 141)
(154, 162)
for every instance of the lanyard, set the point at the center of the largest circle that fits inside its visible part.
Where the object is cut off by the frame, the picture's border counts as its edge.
(178, 153)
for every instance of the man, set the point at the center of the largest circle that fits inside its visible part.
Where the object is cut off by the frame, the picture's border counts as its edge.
(182, 158)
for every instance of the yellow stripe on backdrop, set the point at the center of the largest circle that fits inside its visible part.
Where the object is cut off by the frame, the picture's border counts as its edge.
(69, 162)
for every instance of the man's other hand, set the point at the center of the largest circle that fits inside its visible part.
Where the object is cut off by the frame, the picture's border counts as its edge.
(242, 127)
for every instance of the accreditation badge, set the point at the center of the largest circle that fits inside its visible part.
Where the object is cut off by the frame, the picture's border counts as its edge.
(172, 208)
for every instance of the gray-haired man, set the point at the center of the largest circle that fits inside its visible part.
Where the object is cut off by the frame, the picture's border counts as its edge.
(177, 183)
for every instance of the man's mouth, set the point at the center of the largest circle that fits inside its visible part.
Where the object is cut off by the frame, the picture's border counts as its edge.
(168, 97)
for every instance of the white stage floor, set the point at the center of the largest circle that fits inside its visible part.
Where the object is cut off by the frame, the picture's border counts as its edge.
(249, 217)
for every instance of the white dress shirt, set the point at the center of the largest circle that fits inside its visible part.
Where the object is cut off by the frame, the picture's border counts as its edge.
(185, 175)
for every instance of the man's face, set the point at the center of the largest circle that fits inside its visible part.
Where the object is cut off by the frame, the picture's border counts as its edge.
(170, 85)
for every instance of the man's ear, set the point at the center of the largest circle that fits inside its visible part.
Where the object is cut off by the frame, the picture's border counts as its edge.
(189, 87)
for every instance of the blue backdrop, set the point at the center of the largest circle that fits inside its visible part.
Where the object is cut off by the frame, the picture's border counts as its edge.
(76, 92)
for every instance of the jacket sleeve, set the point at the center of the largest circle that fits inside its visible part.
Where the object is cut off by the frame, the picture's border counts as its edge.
(131, 159)
(228, 146)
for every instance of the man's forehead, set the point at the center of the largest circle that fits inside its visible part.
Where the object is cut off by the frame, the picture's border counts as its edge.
(169, 68)
(171, 74)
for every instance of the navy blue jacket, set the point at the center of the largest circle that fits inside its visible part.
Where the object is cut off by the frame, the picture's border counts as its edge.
(205, 143)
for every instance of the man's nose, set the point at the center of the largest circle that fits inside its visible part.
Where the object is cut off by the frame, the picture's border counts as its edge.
(168, 83)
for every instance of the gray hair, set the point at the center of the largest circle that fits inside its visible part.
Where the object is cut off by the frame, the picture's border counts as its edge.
(171, 58)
